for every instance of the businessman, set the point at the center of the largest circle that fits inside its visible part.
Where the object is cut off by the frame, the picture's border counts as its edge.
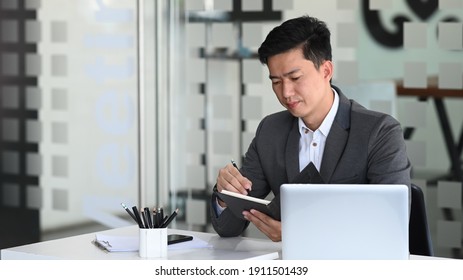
(344, 141)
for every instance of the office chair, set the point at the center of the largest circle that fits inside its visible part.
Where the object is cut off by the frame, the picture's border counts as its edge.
(419, 237)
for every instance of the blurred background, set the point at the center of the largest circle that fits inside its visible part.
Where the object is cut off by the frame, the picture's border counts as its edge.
(105, 102)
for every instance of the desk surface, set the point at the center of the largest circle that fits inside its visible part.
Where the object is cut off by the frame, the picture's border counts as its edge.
(80, 247)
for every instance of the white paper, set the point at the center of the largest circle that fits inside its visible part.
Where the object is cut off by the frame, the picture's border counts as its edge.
(114, 243)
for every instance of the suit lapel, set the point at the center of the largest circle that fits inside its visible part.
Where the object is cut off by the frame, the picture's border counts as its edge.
(337, 138)
(334, 147)
(292, 152)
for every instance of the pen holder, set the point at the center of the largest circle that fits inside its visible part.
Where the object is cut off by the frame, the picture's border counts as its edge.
(153, 243)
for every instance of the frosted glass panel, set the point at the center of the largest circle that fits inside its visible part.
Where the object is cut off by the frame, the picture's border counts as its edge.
(252, 5)
(34, 164)
(221, 105)
(450, 75)
(285, 5)
(196, 212)
(59, 31)
(252, 107)
(195, 177)
(252, 71)
(380, 4)
(448, 234)
(347, 72)
(347, 35)
(416, 151)
(415, 35)
(416, 75)
(10, 129)
(10, 195)
(33, 31)
(449, 194)
(33, 98)
(59, 65)
(223, 35)
(33, 131)
(9, 31)
(223, 5)
(450, 35)
(59, 99)
(346, 4)
(450, 4)
(252, 34)
(60, 200)
(222, 143)
(414, 114)
(33, 65)
(10, 97)
(34, 197)
(10, 64)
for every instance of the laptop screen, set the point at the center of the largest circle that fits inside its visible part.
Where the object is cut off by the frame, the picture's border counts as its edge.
(338, 222)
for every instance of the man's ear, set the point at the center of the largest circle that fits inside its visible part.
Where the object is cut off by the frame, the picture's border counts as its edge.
(327, 68)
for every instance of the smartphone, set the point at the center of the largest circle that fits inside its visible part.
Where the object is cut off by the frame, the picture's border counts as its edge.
(177, 238)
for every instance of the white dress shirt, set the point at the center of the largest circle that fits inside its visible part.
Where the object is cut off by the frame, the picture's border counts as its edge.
(312, 143)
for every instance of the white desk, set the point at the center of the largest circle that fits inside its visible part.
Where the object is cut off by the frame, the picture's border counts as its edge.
(81, 248)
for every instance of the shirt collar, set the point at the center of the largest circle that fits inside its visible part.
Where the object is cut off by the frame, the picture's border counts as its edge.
(329, 119)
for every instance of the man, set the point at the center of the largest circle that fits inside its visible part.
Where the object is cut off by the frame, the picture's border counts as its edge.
(346, 142)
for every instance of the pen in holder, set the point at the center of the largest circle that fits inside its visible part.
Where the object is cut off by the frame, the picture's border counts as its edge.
(153, 243)
(152, 230)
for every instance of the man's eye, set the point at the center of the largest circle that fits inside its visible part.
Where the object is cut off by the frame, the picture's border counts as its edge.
(275, 82)
(295, 78)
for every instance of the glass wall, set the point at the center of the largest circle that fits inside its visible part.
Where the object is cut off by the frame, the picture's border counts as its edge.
(90, 113)
(142, 102)
(70, 129)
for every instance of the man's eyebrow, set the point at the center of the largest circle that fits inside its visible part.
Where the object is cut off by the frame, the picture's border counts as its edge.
(284, 75)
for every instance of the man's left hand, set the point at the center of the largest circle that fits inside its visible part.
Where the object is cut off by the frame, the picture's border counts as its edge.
(267, 225)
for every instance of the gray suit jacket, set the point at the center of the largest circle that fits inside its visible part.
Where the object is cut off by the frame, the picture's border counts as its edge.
(363, 146)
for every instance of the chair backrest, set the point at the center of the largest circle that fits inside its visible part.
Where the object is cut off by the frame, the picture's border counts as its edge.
(420, 242)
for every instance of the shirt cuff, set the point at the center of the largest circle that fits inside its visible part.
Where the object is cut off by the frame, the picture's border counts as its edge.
(218, 209)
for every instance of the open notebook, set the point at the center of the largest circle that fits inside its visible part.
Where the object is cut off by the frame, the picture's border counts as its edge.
(338, 222)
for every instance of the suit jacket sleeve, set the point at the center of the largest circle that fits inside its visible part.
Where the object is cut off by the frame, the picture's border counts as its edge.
(226, 224)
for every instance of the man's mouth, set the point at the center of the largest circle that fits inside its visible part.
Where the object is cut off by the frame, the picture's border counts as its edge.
(292, 105)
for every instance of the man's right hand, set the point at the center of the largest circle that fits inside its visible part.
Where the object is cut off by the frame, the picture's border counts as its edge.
(230, 179)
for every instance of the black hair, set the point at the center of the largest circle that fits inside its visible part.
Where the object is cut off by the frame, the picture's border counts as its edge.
(307, 32)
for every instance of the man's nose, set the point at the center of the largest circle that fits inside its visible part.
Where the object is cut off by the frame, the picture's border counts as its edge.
(287, 89)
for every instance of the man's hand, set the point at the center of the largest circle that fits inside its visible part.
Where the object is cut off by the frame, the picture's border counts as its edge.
(230, 179)
(267, 225)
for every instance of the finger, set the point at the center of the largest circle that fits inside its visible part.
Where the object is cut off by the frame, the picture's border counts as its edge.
(262, 226)
(231, 179)
(244, 182)
(270, 227)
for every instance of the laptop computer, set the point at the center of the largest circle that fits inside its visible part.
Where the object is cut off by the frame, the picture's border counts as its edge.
(339, 222)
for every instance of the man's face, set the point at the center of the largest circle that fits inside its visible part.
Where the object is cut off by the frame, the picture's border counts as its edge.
(301, 88)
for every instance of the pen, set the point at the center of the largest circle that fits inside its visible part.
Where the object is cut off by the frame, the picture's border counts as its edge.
(145, 221)
(169, 220)
(130, 213)
(137, 216)
(148, 217)
(234, 164)
(156, 223)
(161, 216)
(164, 219)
